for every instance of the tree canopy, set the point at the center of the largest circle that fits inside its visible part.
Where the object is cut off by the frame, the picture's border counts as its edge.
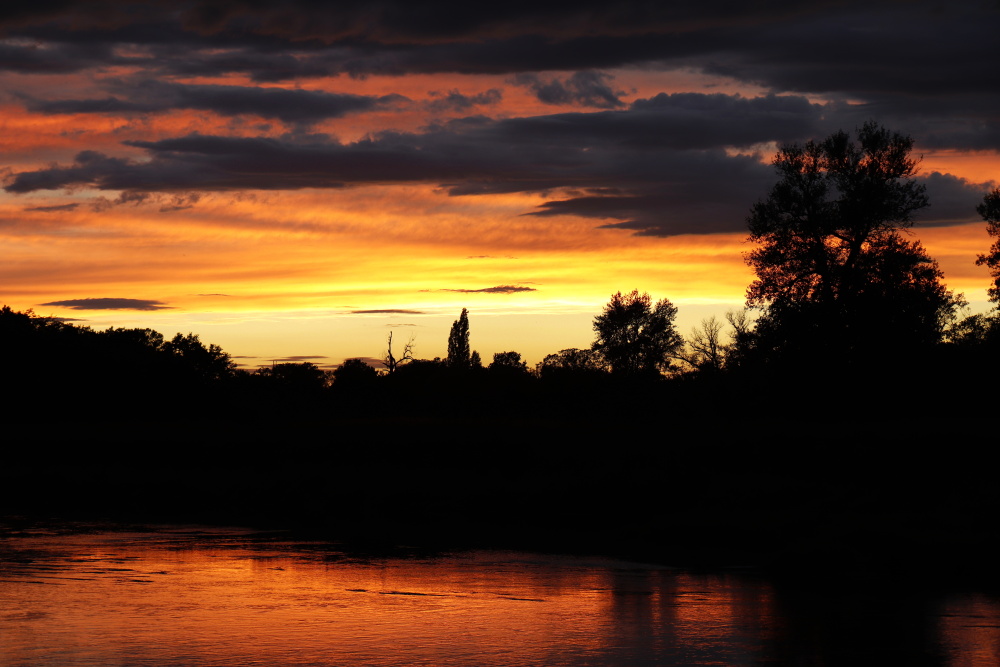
(635, 336)
(833, 268)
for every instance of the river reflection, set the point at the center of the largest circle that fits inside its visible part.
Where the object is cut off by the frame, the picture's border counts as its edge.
(211, 597)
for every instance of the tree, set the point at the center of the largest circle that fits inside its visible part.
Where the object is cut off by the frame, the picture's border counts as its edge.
(705, 350)
(301, 377)
(833, 269)
(206, 363)
(634, 336)
(354, 374)
(572, 364)
(990, 210)
(508, 363)
(390, 362)
(459, 352)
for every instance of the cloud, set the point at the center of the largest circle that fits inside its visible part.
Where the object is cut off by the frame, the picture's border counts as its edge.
(295, 358)
(52, 209)
(586, 88)
(953, 200)
(388, 311)
(295, 106)
(109, 304)
(456, 101)
(667, 152)
(681, 163)
(499, 289)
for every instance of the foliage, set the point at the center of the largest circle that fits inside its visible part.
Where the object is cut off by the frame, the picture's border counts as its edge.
(509, 363)
(298, 377)
(635, 336)
(990, 210)
(572, 362)
(974, 331)
(206, 362)
(832, 267)
(354, 371)
(459, 352)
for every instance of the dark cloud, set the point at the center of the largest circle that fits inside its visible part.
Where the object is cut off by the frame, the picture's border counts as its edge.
(388, 311)
(296, 358)
(667, 153)
(663, 166)
(499, 289)
(109, 304)
(52, 209)
(923, 67)
(288, 105)
(456, 101)
(953, 200)
(586, 88)
(833, 45)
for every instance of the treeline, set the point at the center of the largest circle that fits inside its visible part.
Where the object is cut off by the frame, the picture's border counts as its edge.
(845, 310)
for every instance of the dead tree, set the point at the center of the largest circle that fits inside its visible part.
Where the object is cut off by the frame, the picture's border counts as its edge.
(391, 362)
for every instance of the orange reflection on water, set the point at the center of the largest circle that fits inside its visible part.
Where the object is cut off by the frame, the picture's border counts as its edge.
(970, 631)
(129, 602)
(218, 597)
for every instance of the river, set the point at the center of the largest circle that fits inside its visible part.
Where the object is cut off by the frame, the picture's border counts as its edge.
(184, 595)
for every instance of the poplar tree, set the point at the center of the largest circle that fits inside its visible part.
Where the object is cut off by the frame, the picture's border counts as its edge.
(459, 352)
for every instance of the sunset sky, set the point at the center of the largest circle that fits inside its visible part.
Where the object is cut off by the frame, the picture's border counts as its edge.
(293, 181)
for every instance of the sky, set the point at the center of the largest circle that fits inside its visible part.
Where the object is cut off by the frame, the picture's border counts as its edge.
(294, 181)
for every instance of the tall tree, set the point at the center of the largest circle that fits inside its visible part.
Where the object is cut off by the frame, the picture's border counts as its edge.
(635, 336)
(833, 269)
(990, 210)
(459, 352)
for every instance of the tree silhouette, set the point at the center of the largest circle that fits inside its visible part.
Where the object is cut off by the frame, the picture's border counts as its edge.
(459, 352)
(636, 337)
(390, 361)
(508, 363)
(990, 210)
(294, 377)
(833, 270)
(706, 352)
(204, 362)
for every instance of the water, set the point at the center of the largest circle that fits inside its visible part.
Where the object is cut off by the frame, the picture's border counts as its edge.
(224, 597)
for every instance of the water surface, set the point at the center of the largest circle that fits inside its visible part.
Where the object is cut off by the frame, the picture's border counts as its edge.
(192, 596)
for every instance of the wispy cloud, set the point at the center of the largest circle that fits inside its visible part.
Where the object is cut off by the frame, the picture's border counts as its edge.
(109, 304)
(388, 311)
(499, 289)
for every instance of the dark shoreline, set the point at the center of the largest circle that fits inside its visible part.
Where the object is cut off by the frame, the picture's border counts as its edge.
(709, 499)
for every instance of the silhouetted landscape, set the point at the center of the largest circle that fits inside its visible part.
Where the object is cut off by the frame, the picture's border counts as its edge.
(843, 417)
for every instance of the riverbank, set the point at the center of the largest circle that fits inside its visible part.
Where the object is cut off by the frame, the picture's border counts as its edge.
(859, 497)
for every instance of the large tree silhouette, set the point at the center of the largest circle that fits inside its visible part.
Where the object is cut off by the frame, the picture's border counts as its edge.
(834, 271)
(990, 210)
(635, 336)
